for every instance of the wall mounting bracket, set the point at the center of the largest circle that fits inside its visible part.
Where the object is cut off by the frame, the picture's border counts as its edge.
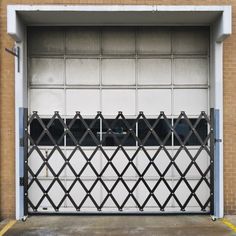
(15, 52)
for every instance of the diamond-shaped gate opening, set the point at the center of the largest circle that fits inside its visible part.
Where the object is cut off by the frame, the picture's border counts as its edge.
(56, 161)
(182, 193)
(77, 161)
(96, 193)
(203, 193)
(77, 193)
(141, 193)
(201, 130)
(98, 160)
(183, 129)
(35, 161)
(162, 192)
(79, 129)
(162, 161)
(182, 161)
(203, 162)
(119, 133)
(141, 159)
(56, 130)
(120, 160)
(120, 193)
(161, 130)
(56, 193)
(35, 193)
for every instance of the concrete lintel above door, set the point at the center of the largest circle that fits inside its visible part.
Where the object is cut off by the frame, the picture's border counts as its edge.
(20, 15)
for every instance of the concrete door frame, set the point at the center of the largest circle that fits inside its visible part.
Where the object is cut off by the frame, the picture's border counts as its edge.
(219, 18)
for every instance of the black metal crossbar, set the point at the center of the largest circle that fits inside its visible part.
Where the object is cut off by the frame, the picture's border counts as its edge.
(162, 134)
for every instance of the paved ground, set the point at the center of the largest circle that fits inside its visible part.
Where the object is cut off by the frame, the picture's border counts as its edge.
(120, 226)
(231, 218)
(3, 224)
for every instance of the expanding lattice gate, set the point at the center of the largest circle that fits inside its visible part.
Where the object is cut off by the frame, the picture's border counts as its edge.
(104, 165)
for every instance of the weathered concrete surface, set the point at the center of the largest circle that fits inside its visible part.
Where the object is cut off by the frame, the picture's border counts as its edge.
(231, 218)
(120, 225)
(3, 224)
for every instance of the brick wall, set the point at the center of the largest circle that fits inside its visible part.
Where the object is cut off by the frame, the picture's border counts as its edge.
(7, 163)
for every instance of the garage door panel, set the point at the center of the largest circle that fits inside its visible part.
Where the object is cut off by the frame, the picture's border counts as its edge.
(112, 69)
(87, 101)
(114, 100)
(82, 42)
(82, 71)
(118, 71)
(152, 101)
(46, 71)
(190, 42)
(153, 41)
(118, 42)
(54, 101)
(44, 41)
(154, 71)
(191, 71)
(192, 101)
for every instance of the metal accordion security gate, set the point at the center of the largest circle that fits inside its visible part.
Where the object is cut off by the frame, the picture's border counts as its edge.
(60, 134)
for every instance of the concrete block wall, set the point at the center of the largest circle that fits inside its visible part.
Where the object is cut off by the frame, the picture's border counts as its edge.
(7, 129)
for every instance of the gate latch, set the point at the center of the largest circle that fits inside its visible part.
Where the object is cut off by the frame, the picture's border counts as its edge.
(22, 142)
(218, 140)
(21, 181)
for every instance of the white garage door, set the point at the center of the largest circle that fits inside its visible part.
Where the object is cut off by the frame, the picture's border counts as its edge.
(149, 69)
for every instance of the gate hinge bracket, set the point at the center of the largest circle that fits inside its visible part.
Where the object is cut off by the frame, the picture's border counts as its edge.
(22, 180)
(15, 51)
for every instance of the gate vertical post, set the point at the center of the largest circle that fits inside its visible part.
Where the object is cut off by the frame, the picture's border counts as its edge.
(25, 161)
(212, 152)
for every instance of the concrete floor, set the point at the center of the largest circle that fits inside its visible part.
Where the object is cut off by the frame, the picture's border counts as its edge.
(120, 225)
